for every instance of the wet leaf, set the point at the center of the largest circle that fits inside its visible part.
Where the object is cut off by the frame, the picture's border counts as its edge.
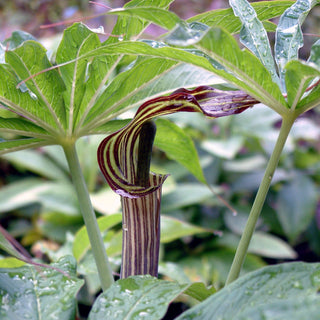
(136, 297)
(172, 229)
(286, 291)
(81, 242)
(296, 209)
(31, 292)
(178, 146)
(225, 17)
(289, 38)
(254, 36)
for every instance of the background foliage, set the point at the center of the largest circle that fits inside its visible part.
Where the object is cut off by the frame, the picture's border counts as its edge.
(199, 235)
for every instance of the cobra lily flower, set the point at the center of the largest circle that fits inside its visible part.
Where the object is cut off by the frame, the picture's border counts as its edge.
(124, 159)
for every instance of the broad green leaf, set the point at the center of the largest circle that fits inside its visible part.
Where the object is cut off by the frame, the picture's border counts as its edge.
(22, 127)
(173, 229)
(148, 79)
(36, 162)
(161, 17)
(311, 101)
(111, 126)
(315, 53)
(298, 76)
(76, 40)
(213, 267)
(241, 68)
(28, 191)
(125, 89)
(224, 148)
(286, 291)
(20, 144)
(262, 244)
(199, 291)
(11, 263)
(129, 27)
(289, 38)
(254, 36)
(29, 292)
(46, 88)
(83, 78)
(225, 18)
(197, 193)
(17, 38)
(295, 208)
(22, 102)
(267, 245)
(313, 98)
(81, 241)
(247, 71)
(136, 297)
(178, 146)
(106, 201)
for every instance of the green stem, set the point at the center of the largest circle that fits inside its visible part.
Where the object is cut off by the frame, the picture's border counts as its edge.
(98, 249)
(259, 200)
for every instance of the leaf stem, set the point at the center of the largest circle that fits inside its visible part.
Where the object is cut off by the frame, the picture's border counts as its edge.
(242, 249)
(98, 249)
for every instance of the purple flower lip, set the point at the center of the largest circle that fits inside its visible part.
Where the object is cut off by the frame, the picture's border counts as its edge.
(117, 153)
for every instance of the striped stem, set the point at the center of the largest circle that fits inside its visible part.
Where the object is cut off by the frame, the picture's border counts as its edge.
(141, 216)
(141, 235)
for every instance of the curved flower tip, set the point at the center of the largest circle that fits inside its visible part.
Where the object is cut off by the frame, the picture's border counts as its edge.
(118, 154)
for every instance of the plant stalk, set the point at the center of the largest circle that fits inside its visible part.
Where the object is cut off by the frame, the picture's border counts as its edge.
(97, 245)
(242, 249)
(141, 216)
(141, 235)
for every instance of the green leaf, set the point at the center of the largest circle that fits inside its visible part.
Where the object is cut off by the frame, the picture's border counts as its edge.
(267, 245)
(38, 163)
(125, 89)
(81, 241)
(163, 18)
(136, 297)
(11, 263)
(23, 193)
(83, 78)
(178, 146)
(17, 38)
(315, 53)
(295, 208)
(245, 70)
(286, 291)
(298, 76)
(199, 291)
(130, 27)
(22, 101)
(20, 144)
(224, 148)
(254, 36)
(46, 88)
(111, 126)
(289, 38)
(29, 292)
(197, 193)
(21, 127)
(225, 18)
(262, 244)
(213, 267)
(149, 78)
(241, 68)
(173, 229)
